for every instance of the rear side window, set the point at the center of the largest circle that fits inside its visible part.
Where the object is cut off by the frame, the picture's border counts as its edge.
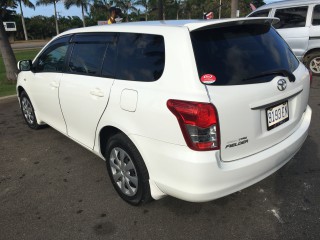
(316, 16)
(262, 13)
(86, 58)
(291, 17)
(109, 63)
(141, 57)
(235, 54)
(90, 52)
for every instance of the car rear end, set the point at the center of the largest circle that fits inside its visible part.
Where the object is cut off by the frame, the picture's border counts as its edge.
(256, 117)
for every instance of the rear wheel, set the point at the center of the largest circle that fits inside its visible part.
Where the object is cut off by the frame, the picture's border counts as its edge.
(127, 170)
(312, 62)
(28, 111)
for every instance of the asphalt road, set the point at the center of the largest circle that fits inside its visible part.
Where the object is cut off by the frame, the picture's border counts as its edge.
(52, 188)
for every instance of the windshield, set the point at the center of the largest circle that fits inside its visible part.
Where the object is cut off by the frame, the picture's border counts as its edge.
(235, 54)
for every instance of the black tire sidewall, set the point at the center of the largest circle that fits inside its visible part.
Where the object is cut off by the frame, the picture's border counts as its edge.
(34, 125)
(143, 193)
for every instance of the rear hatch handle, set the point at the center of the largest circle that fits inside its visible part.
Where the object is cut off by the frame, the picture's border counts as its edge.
(282, 72)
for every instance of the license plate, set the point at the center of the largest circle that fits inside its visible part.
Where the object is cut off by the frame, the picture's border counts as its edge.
(277, 115)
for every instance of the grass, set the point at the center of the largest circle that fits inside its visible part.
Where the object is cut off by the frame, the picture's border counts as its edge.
(9, 88)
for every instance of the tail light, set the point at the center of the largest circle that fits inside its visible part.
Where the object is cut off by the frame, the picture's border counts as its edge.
(199, 124)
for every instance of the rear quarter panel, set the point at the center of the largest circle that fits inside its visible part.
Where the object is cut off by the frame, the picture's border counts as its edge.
(152, 119)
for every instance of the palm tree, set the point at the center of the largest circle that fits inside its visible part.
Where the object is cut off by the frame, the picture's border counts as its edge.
(9, 59)
(145, 4)
(29, 4)
(48, 2)
(178, 4)
(160, 10)
(79, 3)
(99, 9)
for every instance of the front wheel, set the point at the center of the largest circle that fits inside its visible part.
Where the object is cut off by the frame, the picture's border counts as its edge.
(312, 62)
(127, 170)
(28, 111)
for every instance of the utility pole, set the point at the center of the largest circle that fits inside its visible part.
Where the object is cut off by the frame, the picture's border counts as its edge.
(234, 8)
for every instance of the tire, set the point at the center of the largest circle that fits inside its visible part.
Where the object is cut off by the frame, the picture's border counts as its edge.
(127, 170)
(312, 62)
(28, 111)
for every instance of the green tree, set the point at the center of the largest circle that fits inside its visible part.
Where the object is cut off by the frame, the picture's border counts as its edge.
(126, 6)
(49, 2)
(150, 9)
(67, 23)
(99, 10)
(258, 3)
(178, 7)
(9, 59)
(78, 3)
(146, 5)
(41, 27)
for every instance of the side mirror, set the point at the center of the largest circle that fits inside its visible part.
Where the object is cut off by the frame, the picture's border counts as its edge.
(25, 65)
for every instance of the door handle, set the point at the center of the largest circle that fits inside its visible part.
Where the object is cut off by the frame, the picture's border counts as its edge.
(54, 84)
(97, 92)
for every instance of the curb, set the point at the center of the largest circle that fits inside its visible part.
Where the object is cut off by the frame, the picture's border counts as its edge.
(8, 97)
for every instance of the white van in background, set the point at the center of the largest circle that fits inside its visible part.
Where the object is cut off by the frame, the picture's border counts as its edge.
(299, 25)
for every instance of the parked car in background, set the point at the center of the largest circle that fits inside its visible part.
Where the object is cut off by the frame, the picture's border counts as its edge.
(194, 109)
(299, 25)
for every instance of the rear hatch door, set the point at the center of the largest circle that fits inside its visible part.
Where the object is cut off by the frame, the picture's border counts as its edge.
(259, 87)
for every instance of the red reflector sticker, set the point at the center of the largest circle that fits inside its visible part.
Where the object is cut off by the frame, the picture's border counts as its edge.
(208, 78)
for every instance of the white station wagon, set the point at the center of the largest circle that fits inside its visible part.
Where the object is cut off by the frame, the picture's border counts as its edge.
(193, 109)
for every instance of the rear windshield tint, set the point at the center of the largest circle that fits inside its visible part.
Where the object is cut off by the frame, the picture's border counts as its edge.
(235, 54)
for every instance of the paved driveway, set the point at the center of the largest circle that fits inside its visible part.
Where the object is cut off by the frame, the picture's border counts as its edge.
(52, 188)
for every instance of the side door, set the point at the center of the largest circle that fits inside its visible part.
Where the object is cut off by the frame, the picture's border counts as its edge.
(293, 28)
(85, 88)
(315, 28)
(48, 70)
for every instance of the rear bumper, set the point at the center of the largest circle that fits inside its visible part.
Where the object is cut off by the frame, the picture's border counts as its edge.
(202, 176)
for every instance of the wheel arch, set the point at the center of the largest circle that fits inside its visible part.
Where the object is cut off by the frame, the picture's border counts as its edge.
(313, 50)
(105, 133)
(108, 131)
(20, 89)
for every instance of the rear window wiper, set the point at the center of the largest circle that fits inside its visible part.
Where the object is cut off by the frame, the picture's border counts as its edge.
(282, 72)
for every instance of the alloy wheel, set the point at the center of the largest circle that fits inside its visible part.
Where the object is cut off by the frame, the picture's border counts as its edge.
(123, 171)
(27, 110)
(315, 65)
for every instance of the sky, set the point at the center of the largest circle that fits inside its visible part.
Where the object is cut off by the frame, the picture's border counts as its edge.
(49, 10)
(73, 11)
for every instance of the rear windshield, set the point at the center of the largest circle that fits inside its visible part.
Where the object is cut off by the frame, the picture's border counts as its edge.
(239, 54)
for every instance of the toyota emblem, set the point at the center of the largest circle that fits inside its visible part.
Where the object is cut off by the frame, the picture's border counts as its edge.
(282, 84)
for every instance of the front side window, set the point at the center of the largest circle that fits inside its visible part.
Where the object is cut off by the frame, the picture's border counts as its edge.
(291, 17)
(262, 13)
(53, 59)
(238, 55)
(141, 57)
(316, 16)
